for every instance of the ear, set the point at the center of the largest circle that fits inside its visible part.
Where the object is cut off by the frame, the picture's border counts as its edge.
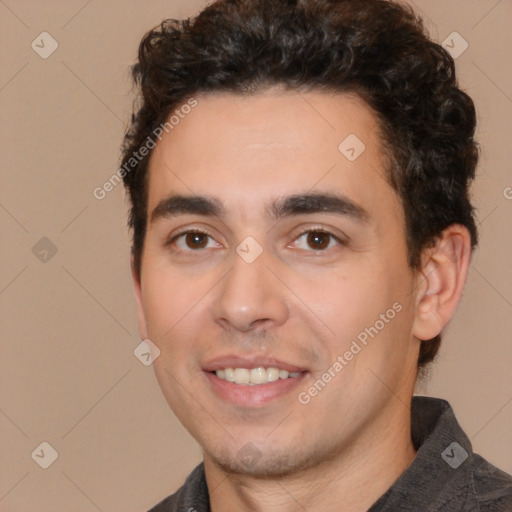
(141, 318)
(441, 280)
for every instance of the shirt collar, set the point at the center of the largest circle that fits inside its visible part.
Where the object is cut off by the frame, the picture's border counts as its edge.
(438, 473)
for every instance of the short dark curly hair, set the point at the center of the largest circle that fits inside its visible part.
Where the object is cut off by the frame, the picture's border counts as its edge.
(377, 49)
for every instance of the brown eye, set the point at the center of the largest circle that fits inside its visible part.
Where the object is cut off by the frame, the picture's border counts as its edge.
(193, 241)
(196, 240)
(318, 240)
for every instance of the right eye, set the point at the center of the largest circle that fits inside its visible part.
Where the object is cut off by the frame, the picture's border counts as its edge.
(192, 241)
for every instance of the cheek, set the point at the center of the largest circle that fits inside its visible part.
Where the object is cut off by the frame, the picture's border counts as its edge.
(345, 301)
(176, 308)
(365, 302)
(167, 301)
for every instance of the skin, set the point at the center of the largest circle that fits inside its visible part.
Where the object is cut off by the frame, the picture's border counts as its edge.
(296, 302)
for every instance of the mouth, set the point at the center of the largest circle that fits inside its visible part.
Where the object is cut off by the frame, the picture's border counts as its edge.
(254, 376)
(252, 383)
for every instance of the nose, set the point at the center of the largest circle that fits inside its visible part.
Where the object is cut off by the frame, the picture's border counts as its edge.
(250, 297)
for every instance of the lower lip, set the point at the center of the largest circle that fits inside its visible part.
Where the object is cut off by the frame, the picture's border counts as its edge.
(255, 395)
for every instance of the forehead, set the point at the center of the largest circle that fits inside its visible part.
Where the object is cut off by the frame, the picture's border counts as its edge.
(246, 149)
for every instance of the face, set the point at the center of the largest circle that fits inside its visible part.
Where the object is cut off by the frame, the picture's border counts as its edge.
(276, 257)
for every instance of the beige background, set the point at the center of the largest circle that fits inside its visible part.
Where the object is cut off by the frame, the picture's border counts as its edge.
(68, 375)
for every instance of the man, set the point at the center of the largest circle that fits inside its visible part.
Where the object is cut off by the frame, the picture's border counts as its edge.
(299, 173)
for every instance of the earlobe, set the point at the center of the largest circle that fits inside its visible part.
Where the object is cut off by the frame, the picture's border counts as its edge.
(441, 281)
(141, 319)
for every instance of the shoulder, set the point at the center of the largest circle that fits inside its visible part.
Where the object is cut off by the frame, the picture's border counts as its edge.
(168, 504)
(192, 496)
(492, 486)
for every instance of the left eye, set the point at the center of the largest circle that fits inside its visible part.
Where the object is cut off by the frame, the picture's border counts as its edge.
(316, 240)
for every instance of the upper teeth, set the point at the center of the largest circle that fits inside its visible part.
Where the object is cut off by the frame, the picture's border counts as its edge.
(254, 376)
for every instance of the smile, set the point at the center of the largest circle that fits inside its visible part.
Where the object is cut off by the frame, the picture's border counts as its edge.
(254, 376)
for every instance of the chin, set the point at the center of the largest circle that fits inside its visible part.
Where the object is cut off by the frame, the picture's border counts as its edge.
(251, 461)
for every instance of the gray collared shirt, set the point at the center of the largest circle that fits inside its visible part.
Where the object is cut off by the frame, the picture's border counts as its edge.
(445, 475)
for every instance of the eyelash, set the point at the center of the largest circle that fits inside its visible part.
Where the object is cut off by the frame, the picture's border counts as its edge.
(318, 229)
(173, 239)
(322, 231)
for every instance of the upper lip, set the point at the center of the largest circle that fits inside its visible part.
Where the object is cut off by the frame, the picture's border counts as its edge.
(249, 362)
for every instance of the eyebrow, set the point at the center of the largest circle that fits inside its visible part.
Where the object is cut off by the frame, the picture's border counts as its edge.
(318, 203)
(287, 206)
(175, 205)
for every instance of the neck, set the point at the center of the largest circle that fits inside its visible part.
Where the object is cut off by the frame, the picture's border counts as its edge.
(350, 482)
